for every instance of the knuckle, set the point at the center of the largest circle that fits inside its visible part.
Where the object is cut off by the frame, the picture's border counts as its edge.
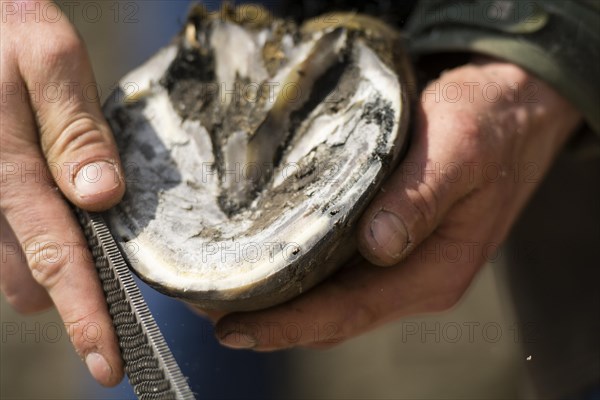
(360, 317)
(65, 50)
(14, 12)
(470, 127)
(48, 263)
(17, 302)
(451, 290)
(445, 302)
(23, 303)
(84, 332)
(82, 131)
(476, 140)
(424, 201)
(81, 134)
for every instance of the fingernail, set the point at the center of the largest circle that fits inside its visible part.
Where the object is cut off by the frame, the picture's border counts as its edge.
(99, 368)
(238, 340)
(389, 233)
(96, 178)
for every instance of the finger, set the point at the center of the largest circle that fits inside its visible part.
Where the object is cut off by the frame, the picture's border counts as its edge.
(60, 262)
(16, 282)
(415, 198)
(52, 241)
(354, 301)
(74, 135)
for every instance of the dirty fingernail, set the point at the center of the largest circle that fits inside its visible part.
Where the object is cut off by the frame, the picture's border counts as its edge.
(99, 368)
(389, 233)
(238, 340)
(96, 178)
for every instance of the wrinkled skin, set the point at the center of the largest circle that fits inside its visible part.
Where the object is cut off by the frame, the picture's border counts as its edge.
(448, 192)
(475, 160)
(48, 141)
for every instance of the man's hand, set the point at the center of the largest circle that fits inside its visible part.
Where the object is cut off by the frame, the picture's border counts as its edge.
(54, 142)
(485, 135)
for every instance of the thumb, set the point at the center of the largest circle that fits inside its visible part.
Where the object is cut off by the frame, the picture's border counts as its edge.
(74, 135)
(417, 196)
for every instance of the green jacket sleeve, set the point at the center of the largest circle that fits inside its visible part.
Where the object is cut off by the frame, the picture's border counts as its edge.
(557, 40)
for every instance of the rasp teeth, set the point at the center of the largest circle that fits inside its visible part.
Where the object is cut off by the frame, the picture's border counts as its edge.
(147, 376)
(142, 364)
(145, 386)
(112, 296)
(149, 364)
(124, 318)
(129, 329)
(120, 307)
(132, 342)
(136, 353)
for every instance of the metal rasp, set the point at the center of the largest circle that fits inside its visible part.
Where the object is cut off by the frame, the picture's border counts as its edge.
(149, 364)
